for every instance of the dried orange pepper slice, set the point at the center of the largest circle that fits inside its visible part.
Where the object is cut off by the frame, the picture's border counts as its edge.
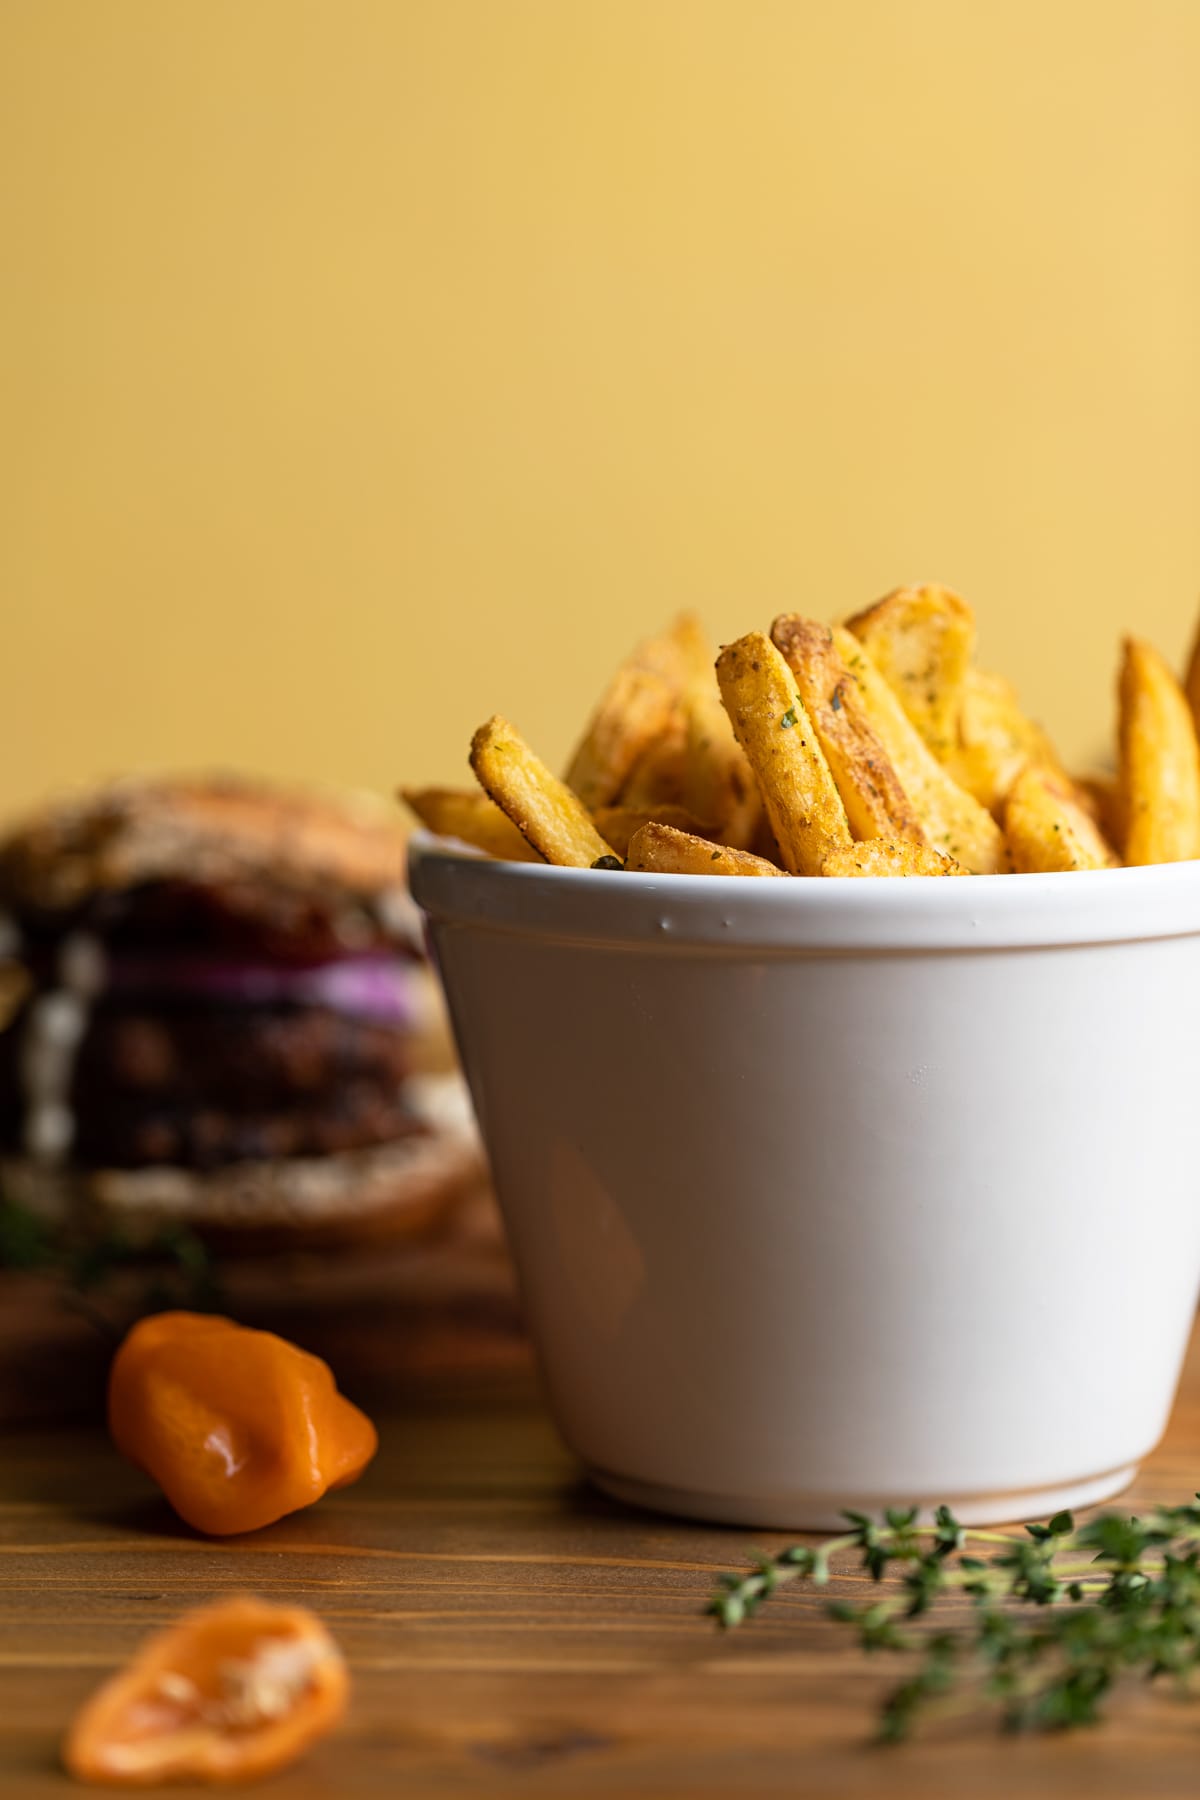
(228, 1693)
(237, 1427)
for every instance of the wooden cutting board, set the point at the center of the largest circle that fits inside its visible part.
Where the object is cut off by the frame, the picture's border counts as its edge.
(446, 1303)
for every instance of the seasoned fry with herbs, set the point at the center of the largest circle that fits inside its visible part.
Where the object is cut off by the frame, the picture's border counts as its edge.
(660, 850)
(1100, 795)
(637, 707)
(801, 799)
(883, 856)
(617, 824)
(471, 818)
(546, 812)
(921, 639)
(874, 748)
(1159, 761)
(1048, 829)
(995, 741)
(679, 654)
(1191, 681)
(657, 779)
(953, 821)
(718, 782)
(876, 804)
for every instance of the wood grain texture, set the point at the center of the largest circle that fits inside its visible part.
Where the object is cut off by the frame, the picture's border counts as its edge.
(512, 1633)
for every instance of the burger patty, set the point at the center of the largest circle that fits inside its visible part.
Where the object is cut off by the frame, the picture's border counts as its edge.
(352, 1116)
(205, 1086)
(237, 1058)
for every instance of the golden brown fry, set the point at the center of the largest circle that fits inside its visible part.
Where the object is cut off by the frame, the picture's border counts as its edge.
(684, 646)
(1191, 681)
(953, 821)
(471, 818)
(1100, 795)
(884, 856)
(617, 824)
(1159, 761)
(801, 799)
(678, 654)
(636, 708)
(1047, 827)
(876, 804)
(995, 740)
(718, 782)
(657, 779)
(921, 639)
(765, 843)
(666, 852)
(545, 811)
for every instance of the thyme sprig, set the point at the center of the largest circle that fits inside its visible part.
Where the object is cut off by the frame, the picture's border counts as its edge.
(1045, 1622)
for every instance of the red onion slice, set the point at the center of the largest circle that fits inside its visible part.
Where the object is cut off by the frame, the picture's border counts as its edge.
(377, 987)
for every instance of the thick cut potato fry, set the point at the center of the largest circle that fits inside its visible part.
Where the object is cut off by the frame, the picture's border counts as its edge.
(617, 824)
(1100, 795)
(635, 710)
(665, 852)
(471, 818)
(995, 741)
(657, 779)
(953, 821)
(885, 856)
(718, 782)
(922, 639)
(876, 804)
(768, 716)
(1047, 828)
(1191, 681)
(688, 643)
(1159, 761)
(545, 811)
(679, 654)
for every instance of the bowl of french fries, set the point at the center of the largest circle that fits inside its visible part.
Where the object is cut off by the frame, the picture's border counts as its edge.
(830, 1043)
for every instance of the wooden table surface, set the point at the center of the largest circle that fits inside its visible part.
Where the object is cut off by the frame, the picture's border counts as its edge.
(511, 1633)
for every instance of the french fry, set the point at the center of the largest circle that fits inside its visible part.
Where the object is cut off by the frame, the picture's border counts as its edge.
(1048, 829)
(617, 824)
(718, 782)
(634, 711)
(765, 843)
(634, 748)
(679, 654)
(953, 821)
(471, 818)
(1159, 761)
(884, 856)
(657, 778)
(1100, 795)
(1191, 681)
(545, 811)
(769, 720)
(869, 749)
(995, 741)
(922, 639)
(876, 804)
(661, 850)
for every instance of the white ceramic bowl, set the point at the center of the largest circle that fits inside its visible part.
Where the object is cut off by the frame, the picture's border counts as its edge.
(849, 1193)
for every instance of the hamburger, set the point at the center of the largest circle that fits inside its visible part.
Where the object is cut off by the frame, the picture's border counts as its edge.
(224, 1019)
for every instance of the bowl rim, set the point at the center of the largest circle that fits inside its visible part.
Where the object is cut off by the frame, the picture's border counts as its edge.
(456, 885)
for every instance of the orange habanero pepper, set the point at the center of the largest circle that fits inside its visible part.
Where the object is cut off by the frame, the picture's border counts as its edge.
(230, 1692)
(237, 1427)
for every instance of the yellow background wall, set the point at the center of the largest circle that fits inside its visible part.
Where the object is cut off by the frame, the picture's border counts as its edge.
(366, 365)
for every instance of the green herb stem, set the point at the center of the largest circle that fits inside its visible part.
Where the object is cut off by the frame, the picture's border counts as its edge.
(1055, 1616)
